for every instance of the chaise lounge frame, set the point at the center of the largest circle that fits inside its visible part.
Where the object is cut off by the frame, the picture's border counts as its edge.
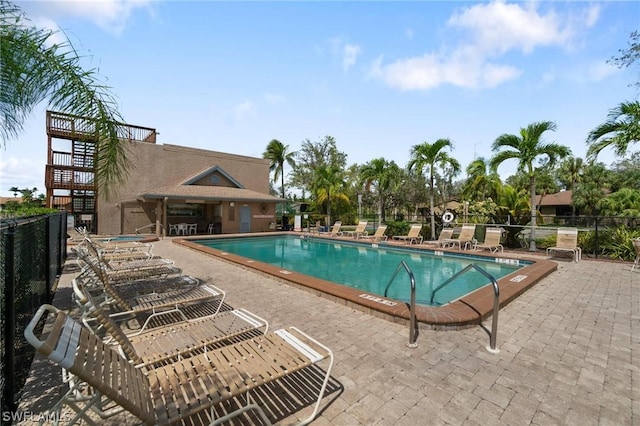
(177, 391)
(413, 236)
(566, 241)
(491, 242)
(175, 340)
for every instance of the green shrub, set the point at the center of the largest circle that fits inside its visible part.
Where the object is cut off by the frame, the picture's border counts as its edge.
(397, 228)
(545, 243)
(587, 242)
(25, 211)
(617, 242)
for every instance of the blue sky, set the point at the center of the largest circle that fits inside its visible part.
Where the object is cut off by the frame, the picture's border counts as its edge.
(380, 77)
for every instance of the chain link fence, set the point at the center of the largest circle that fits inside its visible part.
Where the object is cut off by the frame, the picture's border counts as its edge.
(32, 253)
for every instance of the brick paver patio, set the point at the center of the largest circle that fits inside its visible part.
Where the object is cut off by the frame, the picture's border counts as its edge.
(569, 352)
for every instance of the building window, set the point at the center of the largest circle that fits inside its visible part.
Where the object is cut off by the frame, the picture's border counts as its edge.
(184, 210)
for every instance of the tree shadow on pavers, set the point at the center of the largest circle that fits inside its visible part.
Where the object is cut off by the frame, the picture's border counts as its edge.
(43, 388)
(63, 299)
(71, 266)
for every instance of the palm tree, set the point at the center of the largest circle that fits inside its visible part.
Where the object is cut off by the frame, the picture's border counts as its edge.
(482, 181)
(428, 156)
(527, 147)
(381, 175)
(278, 154)
(34, 69)
(591, 187)
(514, 204)
(328, 184)
(621, 129)
(625, 202)
(587, 197)
(570, 171)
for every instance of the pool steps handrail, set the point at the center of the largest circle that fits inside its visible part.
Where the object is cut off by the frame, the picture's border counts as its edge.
(151, 225)
(496, 303)
(413, 325)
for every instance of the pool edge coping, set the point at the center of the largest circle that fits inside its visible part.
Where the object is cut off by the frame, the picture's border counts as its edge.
(469, 310)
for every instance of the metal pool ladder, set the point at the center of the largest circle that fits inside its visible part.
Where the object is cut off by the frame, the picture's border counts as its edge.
(496, 303)
(413, 326)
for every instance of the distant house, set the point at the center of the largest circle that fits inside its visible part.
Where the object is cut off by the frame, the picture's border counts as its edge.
(558, 204)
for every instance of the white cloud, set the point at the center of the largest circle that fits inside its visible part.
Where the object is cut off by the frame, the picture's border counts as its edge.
(430, 71)
(21, 173)
(243, 110)
(110, 15)
(272, 98)
(350, 53)
(498, 27)
(592, 15)
(548, 77)
(600, 70)
(408, 33)
(347, 53)
(490, 32)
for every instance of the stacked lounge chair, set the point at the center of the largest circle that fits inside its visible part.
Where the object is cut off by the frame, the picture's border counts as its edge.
(183, 371)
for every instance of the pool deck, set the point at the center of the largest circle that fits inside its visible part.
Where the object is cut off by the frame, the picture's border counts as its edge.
(569, 351)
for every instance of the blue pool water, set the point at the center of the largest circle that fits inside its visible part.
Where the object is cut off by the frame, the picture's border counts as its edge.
(368, 268)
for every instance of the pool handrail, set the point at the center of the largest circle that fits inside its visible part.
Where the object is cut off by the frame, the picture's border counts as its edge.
(413, 329)
(496, 302)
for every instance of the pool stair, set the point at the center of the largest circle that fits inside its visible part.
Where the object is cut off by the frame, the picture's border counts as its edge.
(496, 302)
(413, 325)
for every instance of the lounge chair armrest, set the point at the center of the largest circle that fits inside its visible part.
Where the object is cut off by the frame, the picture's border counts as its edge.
(289, 336)
(252, 318)
(60, 344)
(29, 330)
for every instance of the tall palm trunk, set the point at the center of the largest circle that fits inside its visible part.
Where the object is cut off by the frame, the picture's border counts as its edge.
(328, 208)
(431, 202)
(284, 203)
(532, 191)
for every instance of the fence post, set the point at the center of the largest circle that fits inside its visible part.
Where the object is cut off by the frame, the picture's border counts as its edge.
(597, 242)
(48, 255)
(8, 394)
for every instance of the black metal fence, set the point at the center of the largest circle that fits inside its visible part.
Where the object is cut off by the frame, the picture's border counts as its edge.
(600, 236)
(32, 253)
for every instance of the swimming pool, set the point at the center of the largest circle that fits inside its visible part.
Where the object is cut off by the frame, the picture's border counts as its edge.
(368, 268)
(469, 309)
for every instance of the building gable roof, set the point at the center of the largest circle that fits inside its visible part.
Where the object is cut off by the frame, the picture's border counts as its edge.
(212, 171)
(562, 198)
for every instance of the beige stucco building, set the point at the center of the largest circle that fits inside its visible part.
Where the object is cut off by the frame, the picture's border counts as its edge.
(169, 189)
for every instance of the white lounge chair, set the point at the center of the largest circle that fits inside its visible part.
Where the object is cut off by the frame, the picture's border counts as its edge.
(466, 236)
(360, 230)
(334, 231)
(377, 236)
(636, 247)
(179, 391)
(491, 242)
(566, 241)
(444, 236)
(413, 236)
